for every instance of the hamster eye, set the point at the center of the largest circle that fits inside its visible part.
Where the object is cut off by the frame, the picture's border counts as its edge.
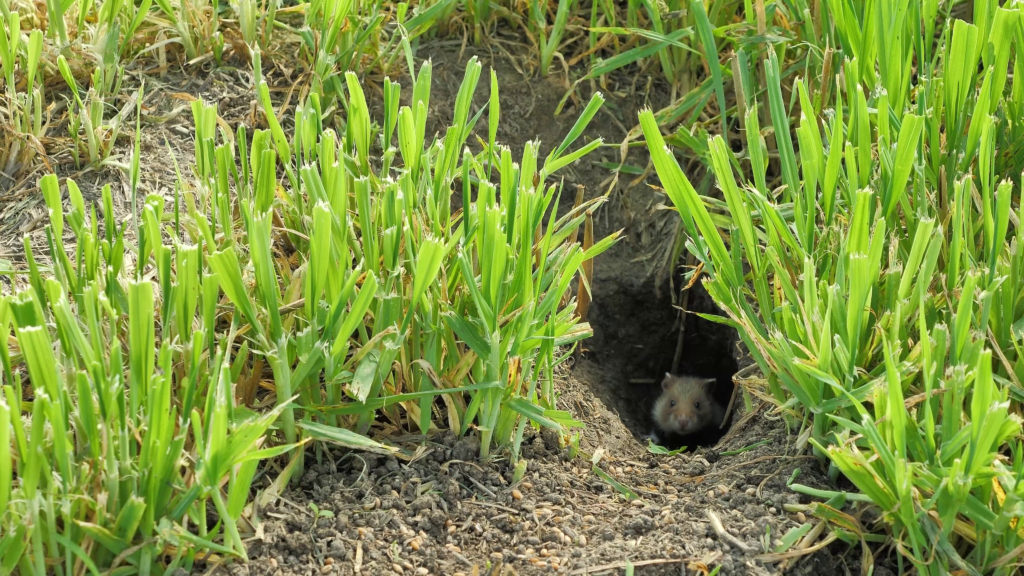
(696, 405)
(672, 403)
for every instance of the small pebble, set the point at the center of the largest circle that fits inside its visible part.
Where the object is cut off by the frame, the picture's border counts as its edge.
(751, 491)
(772, 510)
(517, 494)
(583, 540)
(588, 518)
(711, 493)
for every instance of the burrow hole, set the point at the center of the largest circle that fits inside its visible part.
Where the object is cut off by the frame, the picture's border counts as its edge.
(636, 335)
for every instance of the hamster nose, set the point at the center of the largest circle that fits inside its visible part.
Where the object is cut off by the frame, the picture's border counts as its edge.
(683, 422)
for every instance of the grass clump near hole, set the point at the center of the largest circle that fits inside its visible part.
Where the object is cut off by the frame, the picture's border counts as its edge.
(306, 288)
(877, 281)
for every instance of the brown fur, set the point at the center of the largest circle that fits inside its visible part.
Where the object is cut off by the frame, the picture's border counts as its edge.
(687, 405)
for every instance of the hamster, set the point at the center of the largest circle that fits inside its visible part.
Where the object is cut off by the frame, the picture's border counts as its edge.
(687, 405)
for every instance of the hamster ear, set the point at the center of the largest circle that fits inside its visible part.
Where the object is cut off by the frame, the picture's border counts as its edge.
(667, 382)
(709, 383)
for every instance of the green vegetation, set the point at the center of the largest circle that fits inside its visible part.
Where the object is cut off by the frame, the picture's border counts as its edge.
(300, 286)
(348, 291)
(876, 278)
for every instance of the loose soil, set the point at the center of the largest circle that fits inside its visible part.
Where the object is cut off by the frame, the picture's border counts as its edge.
(444, 512)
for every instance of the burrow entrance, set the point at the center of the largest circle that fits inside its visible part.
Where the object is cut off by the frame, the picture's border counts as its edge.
(637, 340)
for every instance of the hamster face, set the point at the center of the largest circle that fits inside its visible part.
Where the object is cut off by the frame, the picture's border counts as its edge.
(685, 405)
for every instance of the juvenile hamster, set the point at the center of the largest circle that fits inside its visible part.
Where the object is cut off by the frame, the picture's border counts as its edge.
(687, 405)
